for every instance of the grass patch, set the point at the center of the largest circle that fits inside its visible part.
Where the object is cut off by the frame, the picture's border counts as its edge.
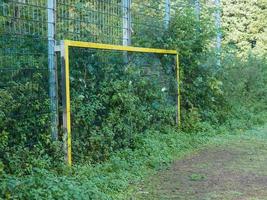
(197, 177)
(228, 166)
(121, 175)
(115, 179)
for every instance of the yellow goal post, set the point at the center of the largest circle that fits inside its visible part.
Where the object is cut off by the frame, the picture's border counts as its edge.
(65, 64)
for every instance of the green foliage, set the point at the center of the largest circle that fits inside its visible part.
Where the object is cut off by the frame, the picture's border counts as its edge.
(245, 89)
(202, 93)
(110, 180)
(245, 80)
(244, 24)
(114, 102)
(24, 104)
(123, 111)
(197, 177)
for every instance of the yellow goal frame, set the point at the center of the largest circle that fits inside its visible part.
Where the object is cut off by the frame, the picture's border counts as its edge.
(64, 51)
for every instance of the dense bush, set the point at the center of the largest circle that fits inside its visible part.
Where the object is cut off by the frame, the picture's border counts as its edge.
(123, 112)
(24, 103)
(113, 102)
(244, 86)
(202, 93)
(110, 180)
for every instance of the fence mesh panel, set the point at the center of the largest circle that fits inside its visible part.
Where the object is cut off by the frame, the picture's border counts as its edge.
(94, 20)
(24, 92)
(113, 100)
(102, 20)
(24, 81)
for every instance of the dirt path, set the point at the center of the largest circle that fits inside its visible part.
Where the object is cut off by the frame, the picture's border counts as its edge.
(235, 170)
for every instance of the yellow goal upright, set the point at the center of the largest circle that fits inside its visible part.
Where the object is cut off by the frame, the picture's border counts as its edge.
(64, 47)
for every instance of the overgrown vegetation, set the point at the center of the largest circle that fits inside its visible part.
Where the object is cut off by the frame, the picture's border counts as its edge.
(114, 102)
(123, 120)
(245, 31)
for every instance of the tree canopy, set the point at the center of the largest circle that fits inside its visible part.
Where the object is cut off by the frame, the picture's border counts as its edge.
(245, 25)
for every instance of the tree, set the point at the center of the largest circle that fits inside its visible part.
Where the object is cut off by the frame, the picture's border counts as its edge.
(245, 25)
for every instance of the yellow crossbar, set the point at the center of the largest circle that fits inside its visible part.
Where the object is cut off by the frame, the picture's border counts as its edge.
(117, 47)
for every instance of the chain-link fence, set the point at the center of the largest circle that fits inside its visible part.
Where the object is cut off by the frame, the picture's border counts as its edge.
(29, 30)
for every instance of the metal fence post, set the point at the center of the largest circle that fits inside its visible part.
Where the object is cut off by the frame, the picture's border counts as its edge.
(53, 83)
(218, 31)
(197, 9)
(167, 14)
(126, 8)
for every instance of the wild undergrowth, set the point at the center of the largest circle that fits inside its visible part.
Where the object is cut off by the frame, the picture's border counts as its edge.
(118, 177)
(123, 121)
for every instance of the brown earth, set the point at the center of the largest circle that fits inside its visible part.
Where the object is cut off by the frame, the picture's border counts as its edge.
(235, 170)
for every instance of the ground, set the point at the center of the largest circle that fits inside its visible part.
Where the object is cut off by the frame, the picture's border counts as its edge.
(230, 168)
